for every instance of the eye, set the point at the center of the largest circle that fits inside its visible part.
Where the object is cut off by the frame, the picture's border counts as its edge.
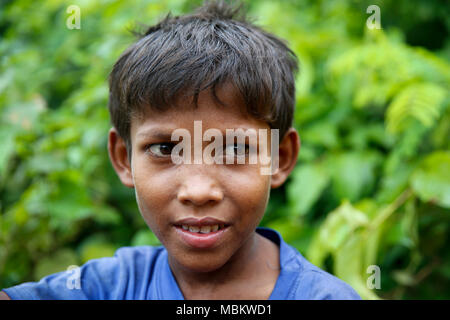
(160, 149)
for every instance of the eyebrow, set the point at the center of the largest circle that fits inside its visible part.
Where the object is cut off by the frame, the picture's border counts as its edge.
(156, 133)
(166, 134)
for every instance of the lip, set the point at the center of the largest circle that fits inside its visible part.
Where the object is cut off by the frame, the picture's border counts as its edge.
(206, 221)
(201, 240)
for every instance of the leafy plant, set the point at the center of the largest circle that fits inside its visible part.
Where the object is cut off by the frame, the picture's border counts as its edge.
(371, 186)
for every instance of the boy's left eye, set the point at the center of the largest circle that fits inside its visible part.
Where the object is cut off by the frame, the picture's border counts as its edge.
(161, 149)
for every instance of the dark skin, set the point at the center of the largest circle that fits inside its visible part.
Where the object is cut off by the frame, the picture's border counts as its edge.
(244, 264)
(4, 296)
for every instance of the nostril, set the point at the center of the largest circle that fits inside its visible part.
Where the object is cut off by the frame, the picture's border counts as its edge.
(200, 196)
(198, 202)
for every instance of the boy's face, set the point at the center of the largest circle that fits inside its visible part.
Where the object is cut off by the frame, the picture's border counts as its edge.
(234, 194)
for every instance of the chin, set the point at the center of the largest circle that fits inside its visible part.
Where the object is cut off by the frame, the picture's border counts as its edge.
(204, 264)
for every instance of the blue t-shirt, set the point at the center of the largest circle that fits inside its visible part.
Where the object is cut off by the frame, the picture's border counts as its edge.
(143, 273)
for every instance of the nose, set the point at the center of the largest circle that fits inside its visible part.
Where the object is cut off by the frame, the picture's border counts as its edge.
(199, 190)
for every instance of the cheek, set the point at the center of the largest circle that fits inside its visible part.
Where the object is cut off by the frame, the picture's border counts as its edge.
(251, 192)
(152, 195)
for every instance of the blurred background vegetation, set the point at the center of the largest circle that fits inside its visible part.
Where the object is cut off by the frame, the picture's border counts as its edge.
(372, 183)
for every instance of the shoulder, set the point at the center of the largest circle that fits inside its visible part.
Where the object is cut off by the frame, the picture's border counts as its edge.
(301, 280)
(127, 263)
(313, 283)
(321, 285)
(126, 275)
(137, 255)
(117, 277)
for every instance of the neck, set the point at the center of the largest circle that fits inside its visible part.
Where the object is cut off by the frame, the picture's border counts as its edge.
(239, 268)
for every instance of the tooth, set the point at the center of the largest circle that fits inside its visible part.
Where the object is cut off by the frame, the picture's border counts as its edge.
(185, 227)
(194, 229)
(214, 227)
(222, 226)
(205, 229)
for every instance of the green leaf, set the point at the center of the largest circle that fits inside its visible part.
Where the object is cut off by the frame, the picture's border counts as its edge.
(106, 215)
(431, 179)
(7, 135)
(323, 134)
(349, 266)
(305, 77)
(345, 234)
(419, 101)
(308, 182)
(353, 174)
(394, 183)
(338, 226)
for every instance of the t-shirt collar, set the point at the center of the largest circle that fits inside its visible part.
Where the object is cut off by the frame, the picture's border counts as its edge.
(167, 287)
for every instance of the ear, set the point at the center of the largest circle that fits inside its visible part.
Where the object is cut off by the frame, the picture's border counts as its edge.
(287, 155)
(119, 159)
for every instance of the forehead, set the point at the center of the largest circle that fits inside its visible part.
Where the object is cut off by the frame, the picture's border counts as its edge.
(229, 113)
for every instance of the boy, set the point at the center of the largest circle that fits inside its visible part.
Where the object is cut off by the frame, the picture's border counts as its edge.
(214, 69)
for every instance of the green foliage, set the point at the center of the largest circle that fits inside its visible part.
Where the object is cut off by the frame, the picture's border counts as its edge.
(373, 116)
(309, 181)
(431, 179)
(419, 102)
(371, 186)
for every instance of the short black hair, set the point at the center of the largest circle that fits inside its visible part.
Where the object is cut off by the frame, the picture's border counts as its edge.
(190, 53)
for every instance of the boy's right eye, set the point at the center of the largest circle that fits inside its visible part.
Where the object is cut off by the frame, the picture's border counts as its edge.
(160, 150)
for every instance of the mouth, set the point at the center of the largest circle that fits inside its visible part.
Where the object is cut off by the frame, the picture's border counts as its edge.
(202, 229)
(201, 233)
